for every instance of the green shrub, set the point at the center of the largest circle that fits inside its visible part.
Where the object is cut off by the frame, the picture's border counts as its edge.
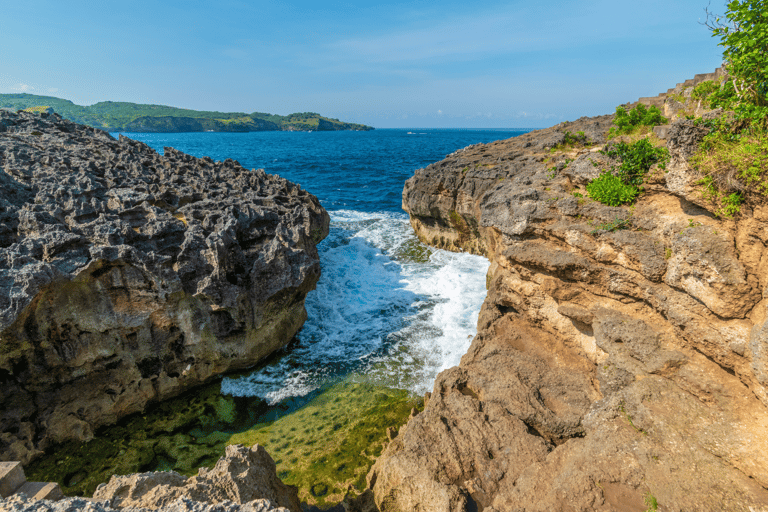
(744, 39)
(636, 159)
(622, 183)
(704, 90)
(641, 115)
(611, 190)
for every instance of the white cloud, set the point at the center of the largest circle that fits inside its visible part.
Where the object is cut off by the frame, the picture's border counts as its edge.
(53, 89)
(439, 112)
(24, 87)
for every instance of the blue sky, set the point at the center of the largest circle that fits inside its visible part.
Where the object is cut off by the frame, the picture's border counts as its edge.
(388, 64)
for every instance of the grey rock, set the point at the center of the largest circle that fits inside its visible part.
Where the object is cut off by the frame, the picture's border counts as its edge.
(127, 276)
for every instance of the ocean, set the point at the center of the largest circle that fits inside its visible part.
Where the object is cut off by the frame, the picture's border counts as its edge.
(387, 310)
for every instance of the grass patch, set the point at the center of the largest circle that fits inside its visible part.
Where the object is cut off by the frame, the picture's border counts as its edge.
(651, 502)
(615, 225)
(571, 141)
(733, 166)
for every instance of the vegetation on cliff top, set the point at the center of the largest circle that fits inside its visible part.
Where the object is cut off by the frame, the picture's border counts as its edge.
(134, 117)
(733, 157)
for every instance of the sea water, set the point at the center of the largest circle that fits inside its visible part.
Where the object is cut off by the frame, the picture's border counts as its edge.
(387, 309)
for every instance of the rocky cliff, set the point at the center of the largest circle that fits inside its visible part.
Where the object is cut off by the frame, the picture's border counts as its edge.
(621, 360)
(127, 277)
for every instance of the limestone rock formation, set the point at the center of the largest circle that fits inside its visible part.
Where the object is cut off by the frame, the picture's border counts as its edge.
(612, 368)
(24, 504)
(128, 277)
(241, 476)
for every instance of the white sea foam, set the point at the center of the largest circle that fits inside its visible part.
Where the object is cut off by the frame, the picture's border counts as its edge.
(376, 314)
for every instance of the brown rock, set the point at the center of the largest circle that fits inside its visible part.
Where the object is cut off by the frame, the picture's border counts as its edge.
(242, 475)
(609, 365)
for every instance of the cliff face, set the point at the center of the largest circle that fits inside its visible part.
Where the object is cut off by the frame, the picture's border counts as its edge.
(613, 368)
(128, 277)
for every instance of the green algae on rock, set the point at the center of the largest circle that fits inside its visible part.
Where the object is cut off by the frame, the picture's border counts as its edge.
(324, 444)
(327, 447)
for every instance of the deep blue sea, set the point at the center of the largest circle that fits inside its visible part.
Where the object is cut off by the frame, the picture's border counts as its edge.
(387, 309)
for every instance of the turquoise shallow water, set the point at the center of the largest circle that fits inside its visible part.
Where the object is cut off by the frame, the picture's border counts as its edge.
(387, 309)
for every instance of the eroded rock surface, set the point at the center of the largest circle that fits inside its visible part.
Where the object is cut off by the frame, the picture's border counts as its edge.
(610, 366)
(128, 277)
(241, 476)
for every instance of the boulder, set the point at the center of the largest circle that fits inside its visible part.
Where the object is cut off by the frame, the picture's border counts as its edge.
(241, 476)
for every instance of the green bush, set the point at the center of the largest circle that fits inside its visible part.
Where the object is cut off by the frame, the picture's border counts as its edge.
(611, 190)
(626, 122)
(636, 159)
(622, 183)
(744, 39)
(704, 90)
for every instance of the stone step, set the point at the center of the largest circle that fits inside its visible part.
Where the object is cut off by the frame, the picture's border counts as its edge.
(13, 481)
(41, 491)
(658, 101)
(11, 478)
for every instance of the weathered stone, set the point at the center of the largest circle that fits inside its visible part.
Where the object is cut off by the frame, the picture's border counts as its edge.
(128, 277)
(241, 476)
(609, 365)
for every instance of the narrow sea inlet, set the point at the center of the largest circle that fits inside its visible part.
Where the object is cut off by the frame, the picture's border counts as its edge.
(387, 316)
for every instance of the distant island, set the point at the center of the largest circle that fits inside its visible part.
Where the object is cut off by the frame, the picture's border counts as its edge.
(118, 116)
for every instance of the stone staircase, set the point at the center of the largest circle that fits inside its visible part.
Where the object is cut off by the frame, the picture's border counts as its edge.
(658, 101)
(13, 481)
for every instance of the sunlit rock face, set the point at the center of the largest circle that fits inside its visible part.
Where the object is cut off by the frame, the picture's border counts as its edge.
(128, 277)
(621, 358)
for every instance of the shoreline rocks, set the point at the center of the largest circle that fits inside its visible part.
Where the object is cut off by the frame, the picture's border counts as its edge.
(127, 277)
(612, 367)
(243, 480)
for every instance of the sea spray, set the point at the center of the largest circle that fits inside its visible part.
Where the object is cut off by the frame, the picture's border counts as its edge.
(386, 310)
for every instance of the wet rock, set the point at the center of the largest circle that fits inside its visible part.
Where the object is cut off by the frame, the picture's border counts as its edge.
(127, 277)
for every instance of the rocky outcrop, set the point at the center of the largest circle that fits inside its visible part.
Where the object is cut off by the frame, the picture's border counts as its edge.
(613, 368)
(127, 277)
(24, 504)
(243, 480)
(241, 476)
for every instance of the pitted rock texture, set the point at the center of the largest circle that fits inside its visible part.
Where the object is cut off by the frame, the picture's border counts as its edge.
(128, 277)
(241, 476)
(20, 503)
(610, 365)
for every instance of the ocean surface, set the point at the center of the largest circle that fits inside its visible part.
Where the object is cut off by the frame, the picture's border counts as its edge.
(387, 310)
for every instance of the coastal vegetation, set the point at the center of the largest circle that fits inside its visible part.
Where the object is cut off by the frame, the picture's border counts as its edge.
(627, 123)
(733, 157)
(114, 116)
(622, 183)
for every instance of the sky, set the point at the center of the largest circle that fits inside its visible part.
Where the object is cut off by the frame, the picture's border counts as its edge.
(393, 64)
